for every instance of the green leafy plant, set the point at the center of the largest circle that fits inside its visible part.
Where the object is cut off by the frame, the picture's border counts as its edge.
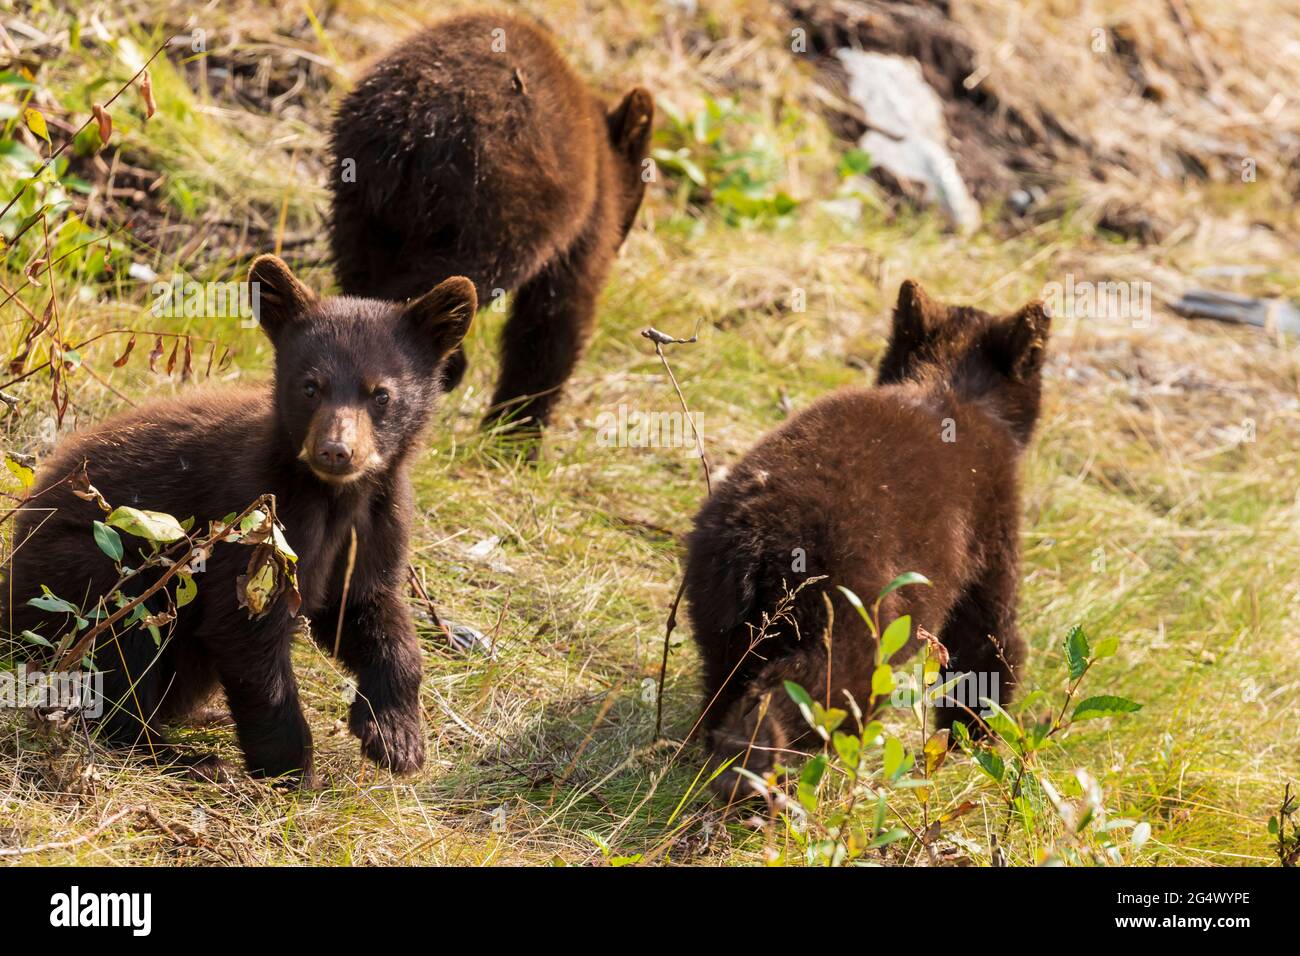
(701, 153)
(870, 793)
(165, 568)
(1288, 844)
(854, 162)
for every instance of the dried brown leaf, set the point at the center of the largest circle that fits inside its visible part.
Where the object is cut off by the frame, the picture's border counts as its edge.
(146, 94)
(937, 650)
(104, 121)
(121, 360)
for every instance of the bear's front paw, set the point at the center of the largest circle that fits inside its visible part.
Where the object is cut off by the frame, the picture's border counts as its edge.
(392, 740)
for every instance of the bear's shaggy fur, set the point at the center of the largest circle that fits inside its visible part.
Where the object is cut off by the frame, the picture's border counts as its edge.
(919, 473)
(355, 383)
(472, 148)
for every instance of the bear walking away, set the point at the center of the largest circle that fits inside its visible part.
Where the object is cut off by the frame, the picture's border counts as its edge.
(919, 473)
(473, 149)
(355, 383)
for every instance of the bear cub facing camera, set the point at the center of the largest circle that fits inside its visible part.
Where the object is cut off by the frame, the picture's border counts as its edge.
(920, 473)
(472, 148)
(355, 383)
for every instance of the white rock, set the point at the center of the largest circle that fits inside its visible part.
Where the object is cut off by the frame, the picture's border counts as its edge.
(908, 136)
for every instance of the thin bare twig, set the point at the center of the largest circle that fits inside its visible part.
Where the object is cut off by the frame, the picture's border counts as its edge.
(660, 339)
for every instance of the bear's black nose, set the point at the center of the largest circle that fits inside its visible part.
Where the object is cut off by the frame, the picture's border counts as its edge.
(333, 454)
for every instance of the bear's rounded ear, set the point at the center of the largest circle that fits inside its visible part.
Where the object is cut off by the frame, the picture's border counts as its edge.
(915, 314)
(278, 297)
(1024, 337)
(443, 315)
(631, 122)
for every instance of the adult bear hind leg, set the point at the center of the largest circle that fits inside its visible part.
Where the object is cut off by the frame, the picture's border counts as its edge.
(546, 334)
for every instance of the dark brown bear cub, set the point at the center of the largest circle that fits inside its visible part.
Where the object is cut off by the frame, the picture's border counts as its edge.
(474, 149)
(919, 473)
(355, 382)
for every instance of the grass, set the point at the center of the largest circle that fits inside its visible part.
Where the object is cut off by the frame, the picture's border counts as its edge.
(1145, 518)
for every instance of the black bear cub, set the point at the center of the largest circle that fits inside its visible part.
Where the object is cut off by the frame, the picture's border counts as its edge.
(355, 383)
(472, 148)
(919, 473)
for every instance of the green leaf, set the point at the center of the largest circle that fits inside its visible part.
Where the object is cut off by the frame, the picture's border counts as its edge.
(805, 702)
(34, 218)
(808, 780)
(31, 637)
(186, 589)
(882, 681)
(1002, 723)
(253, 521)
(855, 162)
(990, 763)
(679, 161)
(827, 718)
(16, 80)
(1032, 700)
(893, 758)
(858, 606)
(1076, 652)
(1104, 706)
(848, 747)
(909, 577)
(888, 837)
(1105, 648)
(49, 602)
(109, 541)
(798, 694)
(150, 525)
(895, 636)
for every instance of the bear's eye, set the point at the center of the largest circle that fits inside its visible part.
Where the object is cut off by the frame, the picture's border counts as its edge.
(381, 397)
(310, 388)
